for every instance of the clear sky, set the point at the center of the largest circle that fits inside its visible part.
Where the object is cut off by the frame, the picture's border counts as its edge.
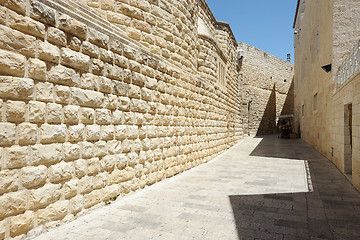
(264, 24)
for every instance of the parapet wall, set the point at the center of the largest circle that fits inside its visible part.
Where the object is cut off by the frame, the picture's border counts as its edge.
(100, 100)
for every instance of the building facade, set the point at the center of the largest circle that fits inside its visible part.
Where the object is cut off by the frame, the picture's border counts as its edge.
(326, 41)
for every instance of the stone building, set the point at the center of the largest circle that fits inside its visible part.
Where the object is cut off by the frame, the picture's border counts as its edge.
(267, 90)
(99, 98)
(327, 84)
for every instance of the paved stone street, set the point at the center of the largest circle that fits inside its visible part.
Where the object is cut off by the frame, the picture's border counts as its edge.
(258, 189)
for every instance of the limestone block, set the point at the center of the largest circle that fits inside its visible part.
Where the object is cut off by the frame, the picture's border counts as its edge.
(106, 55)
(110, 192)
(62, 94)
(43, 196)
(15, 111)
(135, 67)
(75, 59)
(52, 133)
(80, 167)
(87, 98)
(48, 52)
(87, 149)
(116, 46)
(55, 211)
(132, 132)
(9, 181)
(16, 156)
(44, 91)
(133, 159)
(93, 166)
(121, 61)
(107, 132)
(92, 132)
(107, 163)
(120, 88)
(71, 151)
(102, 116)
(42, 13)
(100, 148)
(117, 117)
(72, 26)
(85, 184)
(87, 115)
(126, 145)
(16, 5)
(113, 71)
(134, 91)
(71, 114)
(113, 101)
(74, 43)
(56, 36)
(54, 113)
(143, 157)
(33, 176)
(124, 103)
(46, 154)
(76, 133)
(26, 25)
(98, 38)
(37, 69)
(92, 198)
(2, 227)
(151, 83)
(12, 203)
(146, 144)
(62, 75)
(127, 174)
(100, 180)
(134, 33)
(97, 66)
(70, 188)
(12, 63)
(137, 145)
(37, 111)
(90, 49)
(88, 81)
(138, 105)
(76, 204)
(17, 41)
(60, 171)
(121, 19)
(146, 94)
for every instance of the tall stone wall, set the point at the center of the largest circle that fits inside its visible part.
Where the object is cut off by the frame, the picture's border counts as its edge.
(267, 90)
(100, 99)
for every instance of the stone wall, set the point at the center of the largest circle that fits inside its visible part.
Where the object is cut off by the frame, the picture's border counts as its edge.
(267, 82)
(103, 98)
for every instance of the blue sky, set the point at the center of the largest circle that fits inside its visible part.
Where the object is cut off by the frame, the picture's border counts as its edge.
(264, 24)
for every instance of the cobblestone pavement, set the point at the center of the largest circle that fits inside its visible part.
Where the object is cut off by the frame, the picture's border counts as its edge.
(258, 189)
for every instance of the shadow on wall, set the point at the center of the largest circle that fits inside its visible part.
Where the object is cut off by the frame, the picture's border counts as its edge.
(288, 107)
(268, 121)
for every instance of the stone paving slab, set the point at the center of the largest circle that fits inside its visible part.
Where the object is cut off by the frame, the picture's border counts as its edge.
(258, 189)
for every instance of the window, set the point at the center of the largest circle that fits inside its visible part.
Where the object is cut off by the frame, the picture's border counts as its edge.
(222, 74)
(302, 110)
(315, 107)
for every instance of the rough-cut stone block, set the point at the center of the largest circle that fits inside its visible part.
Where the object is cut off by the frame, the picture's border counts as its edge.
(107, 132)
(92, 198)
(76, 204)
(107, 163)
(100, 180)
(14, 40)
(48, 52)
(56, 36)
(55, 211)
(37, 111)
(42, 12)
(93, 166)
(22, 223)
(85, 184)
(15, 111)
(74, 44)
(88, 81)
(60, 171)
(71, 114)
(17, 156)
(44, 91)
(37, 69)
(117, 117)
(26, 25)
(12, 203)
(113, 71)
(124, 103)
(121, 88)
(98, 38)
(52, 133)
(62, 75)
(114, 146)
(9, 181)
(76, 133)
(2, 229)
(70, 188)
(54, 113)
(90, 49)
(44, 196)
(105, 84)
(75, 59)
(87, 149)
(12, 63)
(106, 55)
(110, 192)
(87, 98)
(46, 154)
(72, 26)
(71, 151)
(33, 176)
(7, 133)
(100, 149)
(80, 167)
(62, 94)
(92, 132)
(102, 116)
